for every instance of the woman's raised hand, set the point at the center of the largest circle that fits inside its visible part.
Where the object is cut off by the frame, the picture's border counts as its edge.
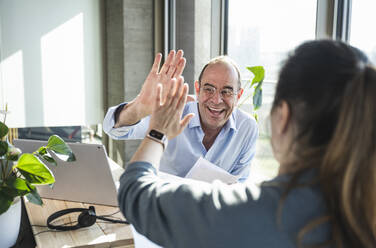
(168, 108)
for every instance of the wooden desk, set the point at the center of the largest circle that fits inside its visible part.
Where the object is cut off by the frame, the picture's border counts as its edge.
(101, 234)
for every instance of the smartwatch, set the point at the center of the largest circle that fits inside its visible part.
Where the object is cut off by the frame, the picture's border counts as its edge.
(158, 137)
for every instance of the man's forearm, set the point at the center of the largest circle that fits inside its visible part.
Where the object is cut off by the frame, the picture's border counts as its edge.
(130, 114)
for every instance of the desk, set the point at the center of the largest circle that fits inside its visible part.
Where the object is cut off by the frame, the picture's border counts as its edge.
(101, 234)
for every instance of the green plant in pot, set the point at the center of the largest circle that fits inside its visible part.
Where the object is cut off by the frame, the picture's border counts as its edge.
(20, 174)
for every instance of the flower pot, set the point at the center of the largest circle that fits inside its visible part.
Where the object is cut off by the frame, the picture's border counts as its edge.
(10, 224)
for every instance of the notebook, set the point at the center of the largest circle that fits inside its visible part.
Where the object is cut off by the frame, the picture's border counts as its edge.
(88, 179)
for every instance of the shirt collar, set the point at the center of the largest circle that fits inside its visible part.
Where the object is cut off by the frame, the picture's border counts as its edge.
(195, 121)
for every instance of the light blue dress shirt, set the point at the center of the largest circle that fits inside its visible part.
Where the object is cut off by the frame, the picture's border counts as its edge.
(232, 150)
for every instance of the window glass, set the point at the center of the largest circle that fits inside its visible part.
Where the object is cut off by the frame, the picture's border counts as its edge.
(262, 33)
(361, 32)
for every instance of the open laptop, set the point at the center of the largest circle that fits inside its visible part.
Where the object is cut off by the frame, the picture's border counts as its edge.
(88, 179)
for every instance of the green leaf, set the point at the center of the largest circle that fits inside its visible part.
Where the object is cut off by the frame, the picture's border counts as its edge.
(3, 147)
(42, 150)
(3, 130)
(13, 153)
(19, 184)
(258, 72)
(257, 98)
(49, 159)
(34, 170)
(5, 201)
(16, 186)
(60, 148)
(34, 197)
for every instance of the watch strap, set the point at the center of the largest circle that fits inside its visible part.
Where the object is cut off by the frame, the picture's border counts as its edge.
(158, 137)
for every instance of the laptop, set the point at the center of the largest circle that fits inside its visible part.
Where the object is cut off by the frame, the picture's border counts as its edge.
(88, 179)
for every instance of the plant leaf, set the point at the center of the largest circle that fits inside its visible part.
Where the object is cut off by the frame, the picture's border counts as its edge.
(257, 98)
(3, 147)
(34, 170)
(3, 130)
(42, 150)
(18, 185)
(258, 72)
(34, 197)
(5, 201)
(49, 159)
(60, 148)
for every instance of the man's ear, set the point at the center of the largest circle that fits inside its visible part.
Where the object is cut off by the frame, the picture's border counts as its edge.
(240, 93)
(197, 88)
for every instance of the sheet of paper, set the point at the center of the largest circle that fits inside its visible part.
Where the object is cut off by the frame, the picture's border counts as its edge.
(204, 170)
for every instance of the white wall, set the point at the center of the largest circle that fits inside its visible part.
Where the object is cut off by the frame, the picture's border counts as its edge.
(51, 62)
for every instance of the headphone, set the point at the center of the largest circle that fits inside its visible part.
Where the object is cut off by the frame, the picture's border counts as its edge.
(86, 218)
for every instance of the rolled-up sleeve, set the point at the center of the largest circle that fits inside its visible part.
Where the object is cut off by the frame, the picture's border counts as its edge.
(136, 131)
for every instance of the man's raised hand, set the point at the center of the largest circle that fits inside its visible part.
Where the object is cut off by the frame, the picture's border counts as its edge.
(172, 68)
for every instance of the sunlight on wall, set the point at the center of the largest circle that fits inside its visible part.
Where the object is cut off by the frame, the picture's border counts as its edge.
(63, 74)
(13, 89)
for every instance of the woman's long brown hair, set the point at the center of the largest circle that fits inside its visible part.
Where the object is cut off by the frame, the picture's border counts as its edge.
(331, 90)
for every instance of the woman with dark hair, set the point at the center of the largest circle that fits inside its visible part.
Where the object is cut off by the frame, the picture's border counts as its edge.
(323, 135)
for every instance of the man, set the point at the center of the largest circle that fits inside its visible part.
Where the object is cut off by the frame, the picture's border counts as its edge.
(218, 132)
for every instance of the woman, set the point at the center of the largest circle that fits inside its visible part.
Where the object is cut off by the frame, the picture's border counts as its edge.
(323, 135)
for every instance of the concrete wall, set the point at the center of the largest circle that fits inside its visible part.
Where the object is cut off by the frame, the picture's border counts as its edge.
(129, 32)
(193, 35)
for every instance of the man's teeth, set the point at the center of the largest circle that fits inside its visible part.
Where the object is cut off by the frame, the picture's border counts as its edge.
(214, 109)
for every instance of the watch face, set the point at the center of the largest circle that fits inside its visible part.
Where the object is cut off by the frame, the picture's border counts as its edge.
(156, 134)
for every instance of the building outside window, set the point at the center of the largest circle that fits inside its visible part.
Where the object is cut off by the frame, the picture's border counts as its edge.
(361, 34)
(262, 33)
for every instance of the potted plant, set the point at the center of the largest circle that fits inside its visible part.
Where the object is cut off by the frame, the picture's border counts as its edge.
(19, 176)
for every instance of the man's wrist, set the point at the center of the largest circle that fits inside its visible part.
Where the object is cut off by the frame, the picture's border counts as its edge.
(127, 115)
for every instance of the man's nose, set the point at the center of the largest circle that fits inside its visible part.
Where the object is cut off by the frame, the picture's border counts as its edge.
(217, 98)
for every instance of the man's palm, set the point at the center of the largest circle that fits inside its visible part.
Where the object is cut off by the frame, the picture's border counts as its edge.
(172, 68)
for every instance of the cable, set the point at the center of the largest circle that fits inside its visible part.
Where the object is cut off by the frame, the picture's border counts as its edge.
(47, 231)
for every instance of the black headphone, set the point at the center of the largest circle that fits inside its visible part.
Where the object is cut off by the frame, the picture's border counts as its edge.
(85, 219)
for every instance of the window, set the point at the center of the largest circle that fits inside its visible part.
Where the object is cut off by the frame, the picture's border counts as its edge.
(262, 33)
(361, 34)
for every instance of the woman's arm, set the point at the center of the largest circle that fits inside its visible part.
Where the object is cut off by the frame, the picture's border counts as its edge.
(166, 119)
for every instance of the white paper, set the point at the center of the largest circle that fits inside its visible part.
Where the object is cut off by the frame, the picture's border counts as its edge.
(204, 170)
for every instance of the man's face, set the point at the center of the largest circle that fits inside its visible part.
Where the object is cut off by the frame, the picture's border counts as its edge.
(217, 94)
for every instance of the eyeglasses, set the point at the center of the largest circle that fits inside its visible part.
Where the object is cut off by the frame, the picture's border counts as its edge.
(225, 93)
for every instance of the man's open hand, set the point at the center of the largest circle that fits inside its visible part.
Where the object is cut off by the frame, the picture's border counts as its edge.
(172, 68)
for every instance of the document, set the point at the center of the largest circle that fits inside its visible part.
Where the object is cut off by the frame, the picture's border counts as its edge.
(204, 170)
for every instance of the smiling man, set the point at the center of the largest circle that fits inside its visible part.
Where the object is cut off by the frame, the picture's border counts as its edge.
(219, 132)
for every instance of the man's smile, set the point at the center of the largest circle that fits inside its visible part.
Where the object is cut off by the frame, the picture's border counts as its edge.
(216, 112)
